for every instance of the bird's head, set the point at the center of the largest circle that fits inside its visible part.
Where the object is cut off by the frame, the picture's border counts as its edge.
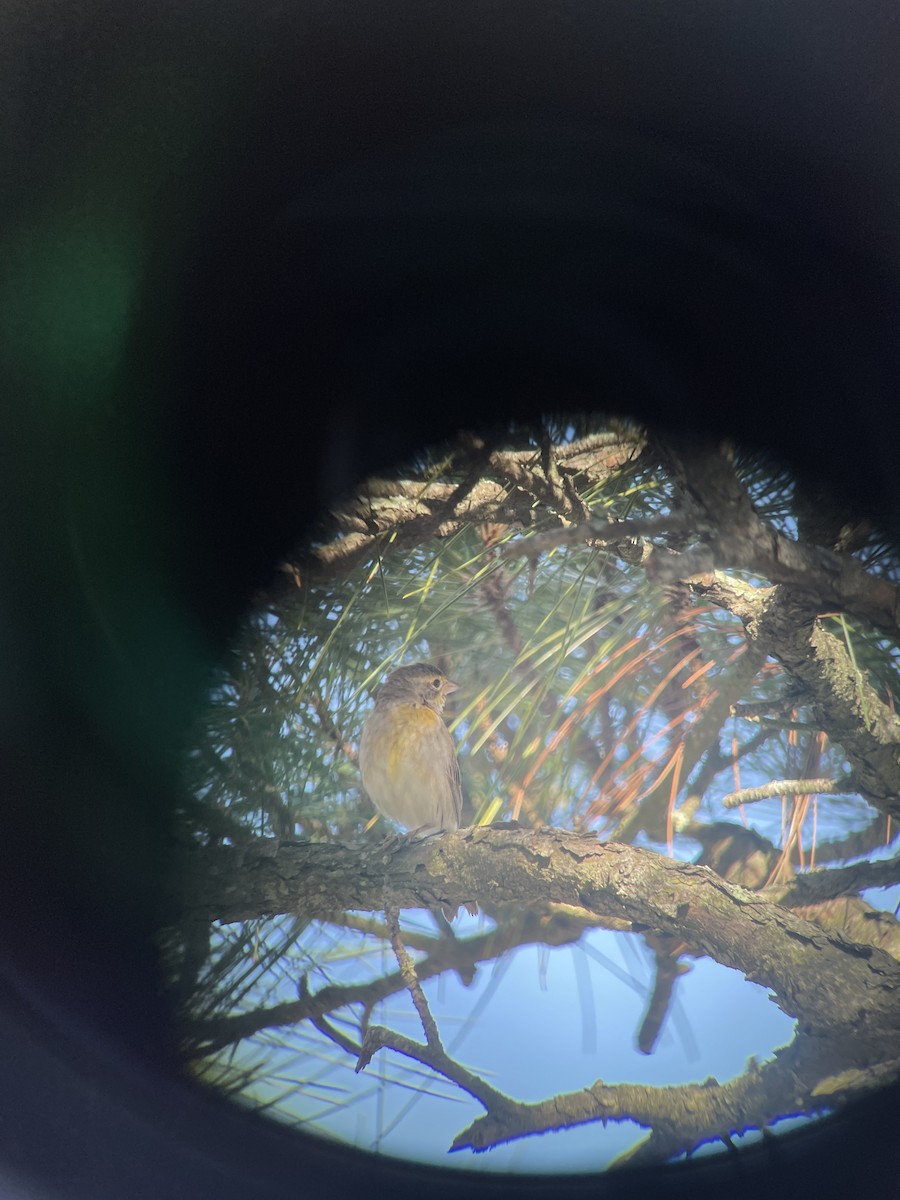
(420, 683)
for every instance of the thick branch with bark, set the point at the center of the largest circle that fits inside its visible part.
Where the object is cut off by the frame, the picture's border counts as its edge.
(498, 486)
(844, 995)
(680, 1117)
(683, 1117)
(783, 625)
(739, 539)
(831, 982)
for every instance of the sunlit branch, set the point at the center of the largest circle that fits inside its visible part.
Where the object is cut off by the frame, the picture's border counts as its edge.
(420, 508)
(602, 532)
(785, 787)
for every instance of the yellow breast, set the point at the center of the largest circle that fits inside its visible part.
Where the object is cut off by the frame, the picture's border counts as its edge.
(408, 725)
(406, 755)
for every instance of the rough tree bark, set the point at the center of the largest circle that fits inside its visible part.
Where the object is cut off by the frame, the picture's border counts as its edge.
(844, 995)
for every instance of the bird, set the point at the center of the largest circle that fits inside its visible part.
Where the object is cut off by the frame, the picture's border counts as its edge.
(407, 756)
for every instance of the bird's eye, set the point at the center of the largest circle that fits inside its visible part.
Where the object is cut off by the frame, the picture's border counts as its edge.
(435, 683)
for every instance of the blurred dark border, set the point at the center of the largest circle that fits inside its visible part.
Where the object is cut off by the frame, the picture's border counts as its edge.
(254, 252)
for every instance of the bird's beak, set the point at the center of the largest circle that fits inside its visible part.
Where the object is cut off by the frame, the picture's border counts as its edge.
(450, 686)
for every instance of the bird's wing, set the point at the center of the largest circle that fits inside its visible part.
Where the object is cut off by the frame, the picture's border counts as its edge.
(456, 787)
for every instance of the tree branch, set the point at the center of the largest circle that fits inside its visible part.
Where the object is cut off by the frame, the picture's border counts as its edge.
(497, 486)
(822, 976)
(846, 706)
(739, 539)
(443, 954)
(682, 1117)
(783, 787)
(831, 882)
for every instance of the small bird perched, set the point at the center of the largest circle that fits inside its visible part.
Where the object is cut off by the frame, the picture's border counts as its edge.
(406, 754)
